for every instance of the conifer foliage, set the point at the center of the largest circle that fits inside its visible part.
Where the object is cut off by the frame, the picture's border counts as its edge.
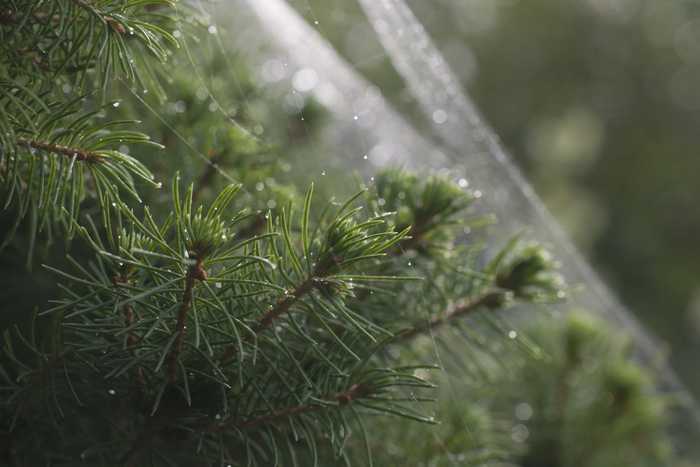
(218, 326)
(50, 142)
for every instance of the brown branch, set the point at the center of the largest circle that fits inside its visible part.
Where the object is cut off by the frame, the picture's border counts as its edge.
(343, 398)
(282, 307)
(489, 299)
(415, 238)
(79, 154)
(107, 19)
(194, 273)
(413, 241)
(131, 339)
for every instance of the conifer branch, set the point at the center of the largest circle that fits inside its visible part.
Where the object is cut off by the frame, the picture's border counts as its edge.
(78, 153)
(283, 305)
(342, 399)
(106, 18)
(194, 273)
(415, 237)
(489, 299)
(131, 338)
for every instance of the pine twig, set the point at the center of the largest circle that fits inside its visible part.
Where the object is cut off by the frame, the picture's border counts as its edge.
(131, 338)
(413, 240)
(342, 398)
(78, 153)
(194, 273)
(106, 18)
(282, 307)
(489, 299)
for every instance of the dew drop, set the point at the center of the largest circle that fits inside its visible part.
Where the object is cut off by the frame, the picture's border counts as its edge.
(512, 334)
(523, 411)
(112, 392)
(520, 433)
(463, 183)
(439, 116)
(218, 285)
(115, 104)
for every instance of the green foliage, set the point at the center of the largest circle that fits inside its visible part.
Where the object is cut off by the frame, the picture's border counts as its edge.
(237, 322)
(182, 320)
(580, 400)
(52, 143)
(597, 101)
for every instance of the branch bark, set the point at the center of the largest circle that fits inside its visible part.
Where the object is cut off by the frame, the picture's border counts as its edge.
(78, 153)
(282, 307)
(343, 398)
(194, 273)
(489, 299)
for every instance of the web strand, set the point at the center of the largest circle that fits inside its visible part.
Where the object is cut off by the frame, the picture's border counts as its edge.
(477, 152)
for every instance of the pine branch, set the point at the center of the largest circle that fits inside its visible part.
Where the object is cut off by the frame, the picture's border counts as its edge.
(281, 308)
(196, 272)
(283, 305)
(416, 236)
(131, 338)
(106, 18)
(489, 299)
(78, 153)
(342, 399)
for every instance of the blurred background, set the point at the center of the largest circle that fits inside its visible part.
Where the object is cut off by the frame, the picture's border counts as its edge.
(599, 103)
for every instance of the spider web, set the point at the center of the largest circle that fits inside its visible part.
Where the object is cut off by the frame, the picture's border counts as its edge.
(366, 128)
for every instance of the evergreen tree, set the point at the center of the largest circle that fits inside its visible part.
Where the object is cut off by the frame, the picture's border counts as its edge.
(236, 318)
